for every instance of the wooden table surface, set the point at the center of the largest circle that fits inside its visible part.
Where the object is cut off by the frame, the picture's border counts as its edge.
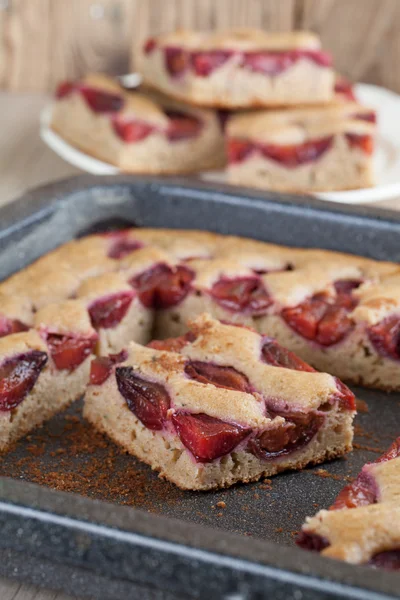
(26, 162)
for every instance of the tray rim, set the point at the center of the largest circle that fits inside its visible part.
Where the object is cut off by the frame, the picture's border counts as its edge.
(236, 552)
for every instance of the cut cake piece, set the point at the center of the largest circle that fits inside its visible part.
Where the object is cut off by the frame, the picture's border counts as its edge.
(138, 131)
(303, 149)
(218, 406)
(240, 68)
(363, 524)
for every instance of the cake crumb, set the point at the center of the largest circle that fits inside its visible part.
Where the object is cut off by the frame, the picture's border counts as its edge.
(221, 504)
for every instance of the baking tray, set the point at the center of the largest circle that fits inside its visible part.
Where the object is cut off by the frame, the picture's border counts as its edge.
(123, 532)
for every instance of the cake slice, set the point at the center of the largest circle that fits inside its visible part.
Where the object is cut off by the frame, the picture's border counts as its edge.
(41, 373)
(363, 524)
(220, 405)
(137, 131)
(340, 316)
(240, 68)
(303, 149)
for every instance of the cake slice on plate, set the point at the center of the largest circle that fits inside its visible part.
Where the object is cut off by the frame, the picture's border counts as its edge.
(240, 68)
(363, 524)
(303, 149)
(137, 131)
(220, 405)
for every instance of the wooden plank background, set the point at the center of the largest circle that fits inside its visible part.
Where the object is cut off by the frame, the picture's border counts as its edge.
(43, 41)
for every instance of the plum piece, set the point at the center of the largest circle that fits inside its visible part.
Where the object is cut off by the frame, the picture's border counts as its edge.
(360, 492)
(324, 318)
(242, 294)
(100, 101)
(147, 400)
(64, 89)
(385, 337)
(238, 150)
(363, 142)
(149, 46)
(204, 63)
(69, 351)
(312, 541)
(162, 286)
(102, 366)
(172, 344)
(207, 437)
(295, 433)
(182, 126)
(389, 560)
(344, 396)
(8, 326)
(345, 88)
(109, 312)
(122, 245)
(292, 156)
(226, 377)
(130, 130)
(274, 354)
(274, 62)
(18, 375)
(176, 60)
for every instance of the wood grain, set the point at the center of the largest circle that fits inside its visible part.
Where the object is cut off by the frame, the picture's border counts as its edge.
(44, 41)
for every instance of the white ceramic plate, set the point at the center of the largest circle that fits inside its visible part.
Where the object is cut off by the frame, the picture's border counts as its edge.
(387, 155)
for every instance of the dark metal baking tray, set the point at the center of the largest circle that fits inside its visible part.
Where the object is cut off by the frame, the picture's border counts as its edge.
(165, 543)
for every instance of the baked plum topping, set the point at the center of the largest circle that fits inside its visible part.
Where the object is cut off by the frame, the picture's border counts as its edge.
(8, 326)
(109, 312)
(385, 337)
(102, 366)
(238, 150)
(69, 351)
(363, 142)
(274, 354)
(100, 101)
(182, 126)
(176, 60)
(172, 344)
(130, 130)
(344, 87)
(344, 396)
(324, 318)
(295, 433)
(290, 156)
(148, 401)
(311, 541)
(204, 63)
(64, 89)
(393, 452)
(369, 117)
(363, 491)
(149, 46)
(389, 560)
(243, 294)
(225, 377)
(273, 63)
(18, 375)
(360, 492)
(206, 437)
(162, 286)
(122, 245)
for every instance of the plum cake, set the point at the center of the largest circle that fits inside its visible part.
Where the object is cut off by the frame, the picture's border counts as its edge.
(241, 68)
(303, 149)
(219, 405)
(339, 313)
(138, 131)
(363, 524)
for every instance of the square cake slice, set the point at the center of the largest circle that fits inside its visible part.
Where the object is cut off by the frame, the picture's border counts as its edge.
(324, 148)
(363, 524)
(220, 405)
(137, 131)
(240, 68)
